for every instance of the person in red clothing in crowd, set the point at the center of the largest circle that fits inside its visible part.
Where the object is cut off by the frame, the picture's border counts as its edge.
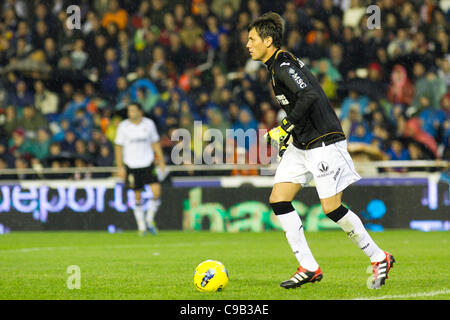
(414, 131)
(401, 89)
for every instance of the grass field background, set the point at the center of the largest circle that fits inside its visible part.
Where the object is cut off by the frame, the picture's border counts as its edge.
(33, 265)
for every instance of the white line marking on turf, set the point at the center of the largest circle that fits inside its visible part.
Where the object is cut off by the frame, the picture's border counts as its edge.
(411, 295)
(119, 246)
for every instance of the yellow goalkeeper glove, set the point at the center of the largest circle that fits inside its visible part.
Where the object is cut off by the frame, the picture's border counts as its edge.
(278, 135)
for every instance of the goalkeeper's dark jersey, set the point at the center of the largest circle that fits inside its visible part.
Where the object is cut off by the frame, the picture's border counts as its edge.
(306, 105)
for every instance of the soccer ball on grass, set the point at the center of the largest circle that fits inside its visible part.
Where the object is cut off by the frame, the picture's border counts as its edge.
(210, 276)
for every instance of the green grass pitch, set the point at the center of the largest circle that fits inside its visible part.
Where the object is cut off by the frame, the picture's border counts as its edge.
(33, 265)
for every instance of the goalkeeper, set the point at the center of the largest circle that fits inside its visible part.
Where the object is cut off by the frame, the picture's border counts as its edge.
(318, 151)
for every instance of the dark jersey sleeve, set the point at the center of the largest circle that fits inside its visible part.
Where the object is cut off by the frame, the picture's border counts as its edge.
(292, 77)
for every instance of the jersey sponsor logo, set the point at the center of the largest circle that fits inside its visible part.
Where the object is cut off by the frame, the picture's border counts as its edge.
(139, 140)
(336, 174)
(282, 99)
(297, 78)
(323, 166)
(300, 62)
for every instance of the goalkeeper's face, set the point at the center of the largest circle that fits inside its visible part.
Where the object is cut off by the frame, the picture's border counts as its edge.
(256, 46)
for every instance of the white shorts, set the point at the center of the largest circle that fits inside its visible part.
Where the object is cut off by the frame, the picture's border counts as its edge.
(330, 166)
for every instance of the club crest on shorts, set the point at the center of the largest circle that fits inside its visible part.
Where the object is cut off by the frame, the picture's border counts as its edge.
(323, 166)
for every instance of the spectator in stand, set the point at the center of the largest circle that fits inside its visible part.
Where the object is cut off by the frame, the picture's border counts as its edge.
(217, 121)
(40, 35)
(401, 90)
(444, 71)
(397, 151)
(143, 11)
(158, 9)
(376, 86)
(19, 145)
(20, 164)
(381, 137)
(214, 30)
(246, 122)
(81, 150)
(427, 85)
(169, 28)
(79, 101)
(111, 35)
(353, 119)
(11, 122)
(353, 15)
(23, 49)
(31, 121)
(227, 14)
(110, 73)
(416, 152)
(78, 55)
(177, 52)
(21, 97)
(352, 48)
(68, 144)
(442, 42)
(83, 124)
(414, 131)
(105, 158)
(377, 40)
(45, 101)
(446, 152)
(361, 133)
(353, 99)
(65, 97)
(127, 58)
(96, 52)
(220, 83)
(269, 120)
(5, 155)
(401, 45)
(431, 119)
(317, 44)
(328, 77)
(41, 145)
(190, 32)
(115, 15)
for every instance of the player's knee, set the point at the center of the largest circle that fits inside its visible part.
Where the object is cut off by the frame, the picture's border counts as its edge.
(330, 207)
(274, 198)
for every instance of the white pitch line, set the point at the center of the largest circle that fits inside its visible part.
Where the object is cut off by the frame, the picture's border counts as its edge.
(411, 295)
(119, 246)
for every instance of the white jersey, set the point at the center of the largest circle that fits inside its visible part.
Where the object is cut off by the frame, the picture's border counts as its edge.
(137, 140)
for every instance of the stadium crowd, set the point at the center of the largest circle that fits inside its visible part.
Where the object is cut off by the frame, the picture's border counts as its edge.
(63, 91)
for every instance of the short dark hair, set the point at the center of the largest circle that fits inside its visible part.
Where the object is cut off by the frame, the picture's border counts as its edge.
(270, 24)
(136, 104)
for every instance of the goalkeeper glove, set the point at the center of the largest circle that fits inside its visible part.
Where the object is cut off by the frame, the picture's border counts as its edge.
(283, 147)
(278, 135)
